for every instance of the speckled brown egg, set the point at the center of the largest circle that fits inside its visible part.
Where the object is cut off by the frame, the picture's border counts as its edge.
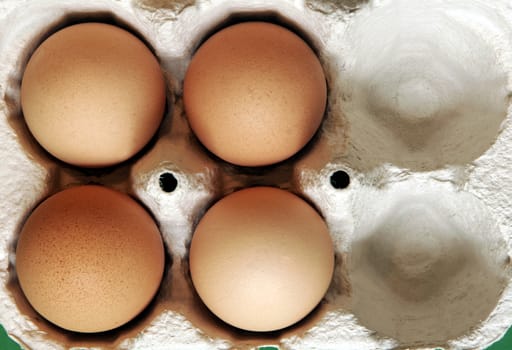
(254, 93)
(89, 259)
(261, 259)
(93, 94)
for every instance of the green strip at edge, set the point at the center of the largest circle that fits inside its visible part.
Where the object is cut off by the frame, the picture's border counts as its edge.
(6, 343)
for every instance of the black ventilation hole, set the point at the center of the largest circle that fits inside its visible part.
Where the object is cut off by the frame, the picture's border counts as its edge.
(168, 182)
(340, 180)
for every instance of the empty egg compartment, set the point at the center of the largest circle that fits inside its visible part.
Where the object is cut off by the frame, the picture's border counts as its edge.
(432, 90)
(430, 264)
(421, 252)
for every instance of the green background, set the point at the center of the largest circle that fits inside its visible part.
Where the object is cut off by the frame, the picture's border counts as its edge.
(7, 344)
(504, 344)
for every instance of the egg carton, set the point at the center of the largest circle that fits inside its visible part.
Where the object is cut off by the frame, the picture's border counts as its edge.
(410, 170)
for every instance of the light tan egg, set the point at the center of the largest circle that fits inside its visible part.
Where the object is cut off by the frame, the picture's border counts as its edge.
(261, 259)
(93, 94)
(254, 93)
(89, 259)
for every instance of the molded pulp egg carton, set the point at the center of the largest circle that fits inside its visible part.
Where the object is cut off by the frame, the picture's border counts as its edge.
(417, 118)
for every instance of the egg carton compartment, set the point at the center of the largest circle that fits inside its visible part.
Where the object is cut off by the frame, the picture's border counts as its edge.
(409, 169)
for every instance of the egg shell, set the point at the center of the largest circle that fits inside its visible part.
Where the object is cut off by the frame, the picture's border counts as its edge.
(255, 93)
(93, 94)
(89, 259)
(261, 259)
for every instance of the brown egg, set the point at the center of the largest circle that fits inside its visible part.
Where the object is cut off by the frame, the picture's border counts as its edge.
(89, 259)
(254, 93)
(93, 94)
(261, 259)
